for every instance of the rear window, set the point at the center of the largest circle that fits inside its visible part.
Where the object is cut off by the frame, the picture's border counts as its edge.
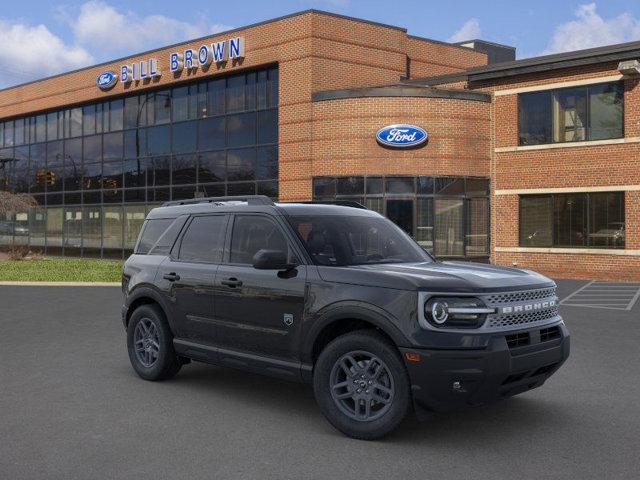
(151, 233)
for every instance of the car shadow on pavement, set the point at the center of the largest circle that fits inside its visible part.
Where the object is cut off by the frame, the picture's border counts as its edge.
(502, 420)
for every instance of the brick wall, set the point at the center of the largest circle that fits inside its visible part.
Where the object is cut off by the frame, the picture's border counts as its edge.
(344, 137)
(581, 167)
(315, 51)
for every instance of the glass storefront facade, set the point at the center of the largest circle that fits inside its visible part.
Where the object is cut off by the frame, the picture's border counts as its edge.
(95, 170)
(448, 216)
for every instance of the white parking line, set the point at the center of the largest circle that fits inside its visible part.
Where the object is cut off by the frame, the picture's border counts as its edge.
(612, 296)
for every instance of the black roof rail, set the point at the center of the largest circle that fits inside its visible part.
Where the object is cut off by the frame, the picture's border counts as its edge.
(341, 203)
(250, 199)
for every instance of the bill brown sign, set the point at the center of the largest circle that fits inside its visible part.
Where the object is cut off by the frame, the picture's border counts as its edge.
(189, 59)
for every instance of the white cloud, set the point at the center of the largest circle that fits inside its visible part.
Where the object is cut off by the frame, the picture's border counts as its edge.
(469, 31)
(98, 33)
(591, 30)
(28, 52)
(104, 29)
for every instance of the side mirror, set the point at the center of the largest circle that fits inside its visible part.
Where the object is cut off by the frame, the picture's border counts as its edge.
(272, 260)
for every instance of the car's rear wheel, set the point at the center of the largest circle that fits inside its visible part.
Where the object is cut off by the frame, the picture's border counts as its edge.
(150, 344)
(361, 385)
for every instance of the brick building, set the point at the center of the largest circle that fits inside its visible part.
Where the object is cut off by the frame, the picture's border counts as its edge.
(528, 162)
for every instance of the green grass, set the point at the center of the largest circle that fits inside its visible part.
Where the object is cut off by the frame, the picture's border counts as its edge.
(61, 270)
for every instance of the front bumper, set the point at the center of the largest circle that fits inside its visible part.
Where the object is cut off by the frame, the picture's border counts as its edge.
(512, 363)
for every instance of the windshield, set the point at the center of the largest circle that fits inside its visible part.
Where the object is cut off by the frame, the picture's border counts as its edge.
(337, 240)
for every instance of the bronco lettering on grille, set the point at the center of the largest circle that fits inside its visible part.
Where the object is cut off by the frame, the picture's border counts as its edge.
(528, 307)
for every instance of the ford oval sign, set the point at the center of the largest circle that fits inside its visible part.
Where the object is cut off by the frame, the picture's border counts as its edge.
(401, 136)
(106, 80)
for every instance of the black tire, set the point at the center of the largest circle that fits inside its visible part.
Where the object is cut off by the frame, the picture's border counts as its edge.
(166, 363)
(330, 372)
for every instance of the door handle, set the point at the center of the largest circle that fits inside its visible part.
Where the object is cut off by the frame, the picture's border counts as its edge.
(172, 277)
(232, 282)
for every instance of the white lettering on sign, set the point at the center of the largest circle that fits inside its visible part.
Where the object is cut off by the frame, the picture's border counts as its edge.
(401, 135)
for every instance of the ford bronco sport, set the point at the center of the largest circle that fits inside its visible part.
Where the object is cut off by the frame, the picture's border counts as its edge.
(339, 297)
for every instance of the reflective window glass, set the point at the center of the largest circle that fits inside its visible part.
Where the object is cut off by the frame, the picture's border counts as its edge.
(235, 93)
(211, 133)
(158, 140)
(204, 239)
(241, 164)
(212, 167)
(215, 97)
(184, 136)
(252, 233)
(241, 129)
(116, 115)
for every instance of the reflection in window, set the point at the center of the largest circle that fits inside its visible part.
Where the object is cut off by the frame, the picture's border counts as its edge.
(570, 218)
(211, 133)
(72, 229)
(449, 227)
(72, 159)
(241, 164)
(184, 137)
(241, 129)
(133, 220)
(606, 220)
(424, 225)
(570, 115)
(400, 185)
(212, 167)
(112, 231)
(477, 227)
(573, 220)
(235, 93)
(183, 169)
(159, 140)
(92, 230)
(162, 107)
(593, 112)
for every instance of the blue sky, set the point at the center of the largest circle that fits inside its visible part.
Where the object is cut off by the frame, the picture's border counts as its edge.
(43, 37)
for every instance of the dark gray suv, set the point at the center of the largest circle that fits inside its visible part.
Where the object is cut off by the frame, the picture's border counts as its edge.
(340, 297)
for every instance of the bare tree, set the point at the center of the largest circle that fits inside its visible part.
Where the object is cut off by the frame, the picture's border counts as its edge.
(16, 202)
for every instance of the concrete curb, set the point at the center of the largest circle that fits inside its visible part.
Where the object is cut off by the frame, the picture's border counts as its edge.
(61, 284)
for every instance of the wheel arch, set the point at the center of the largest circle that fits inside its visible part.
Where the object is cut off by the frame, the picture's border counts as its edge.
(344, 318)
(145, 296)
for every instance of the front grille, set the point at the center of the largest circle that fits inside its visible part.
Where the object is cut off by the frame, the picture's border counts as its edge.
(502, 321)
(550, 333)
(518, 339)
(522, 296)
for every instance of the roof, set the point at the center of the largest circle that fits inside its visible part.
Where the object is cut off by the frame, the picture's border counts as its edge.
(405, 89)
(590, 56)
(173, 209)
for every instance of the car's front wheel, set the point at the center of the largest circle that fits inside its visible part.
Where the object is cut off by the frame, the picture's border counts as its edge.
(150, 344)
(361, 385)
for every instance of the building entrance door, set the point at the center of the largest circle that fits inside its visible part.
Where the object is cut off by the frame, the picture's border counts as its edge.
(400, 212)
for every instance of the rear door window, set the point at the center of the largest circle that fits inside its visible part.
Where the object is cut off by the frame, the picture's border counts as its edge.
(203, 242)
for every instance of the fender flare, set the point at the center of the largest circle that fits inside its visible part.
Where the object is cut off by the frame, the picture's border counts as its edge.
(147, 291)
(365, 312)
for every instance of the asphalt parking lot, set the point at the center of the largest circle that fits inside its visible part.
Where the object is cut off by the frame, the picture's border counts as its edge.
(71, 407)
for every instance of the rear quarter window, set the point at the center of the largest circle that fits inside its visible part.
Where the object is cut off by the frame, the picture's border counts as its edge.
(151, 233)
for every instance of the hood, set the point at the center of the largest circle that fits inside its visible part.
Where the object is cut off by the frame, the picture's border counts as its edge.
(461, 277)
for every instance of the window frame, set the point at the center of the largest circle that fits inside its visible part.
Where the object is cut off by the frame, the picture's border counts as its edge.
(552, 93)
(553, 232)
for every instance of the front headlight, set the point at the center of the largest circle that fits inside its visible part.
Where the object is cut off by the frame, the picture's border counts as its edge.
(456, 312)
